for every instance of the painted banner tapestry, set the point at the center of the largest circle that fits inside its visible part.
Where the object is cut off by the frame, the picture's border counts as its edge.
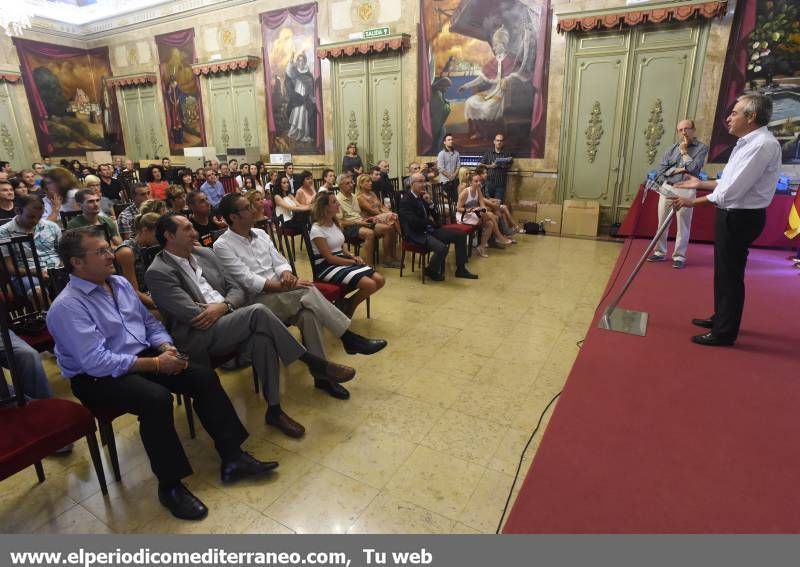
(763, 56)
(73, 111)
(483, 70)
(294, 87)
(181, 90)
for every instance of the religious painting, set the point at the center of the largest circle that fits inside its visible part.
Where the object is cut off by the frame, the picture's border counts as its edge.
(483, 70)
(763, 57)
(181, 91)
(72, 109)
(292, 75)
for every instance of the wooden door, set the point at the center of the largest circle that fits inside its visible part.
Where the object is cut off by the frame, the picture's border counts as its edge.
(233, 111)
(12, 147)
(141, 123)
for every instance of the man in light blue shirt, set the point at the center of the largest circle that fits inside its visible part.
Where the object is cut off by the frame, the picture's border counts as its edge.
(213, 187)
(741, 196)
(116, 354)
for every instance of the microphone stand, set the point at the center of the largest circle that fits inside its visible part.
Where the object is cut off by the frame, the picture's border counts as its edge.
(626, 320)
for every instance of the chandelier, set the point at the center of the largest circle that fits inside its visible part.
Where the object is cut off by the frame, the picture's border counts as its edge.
(16, 17)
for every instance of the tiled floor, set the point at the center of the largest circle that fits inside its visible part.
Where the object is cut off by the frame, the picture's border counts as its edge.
(428, 442)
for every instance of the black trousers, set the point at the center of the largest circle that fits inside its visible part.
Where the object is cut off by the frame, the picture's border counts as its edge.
(149, 396)
(735, 230)
(439, 243)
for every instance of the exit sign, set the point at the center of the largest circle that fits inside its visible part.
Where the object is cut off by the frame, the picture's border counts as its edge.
(377, 32)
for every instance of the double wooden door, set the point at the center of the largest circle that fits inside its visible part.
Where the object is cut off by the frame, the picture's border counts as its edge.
(625, 92)
(234, 121)
(367, 109)
(142, 123)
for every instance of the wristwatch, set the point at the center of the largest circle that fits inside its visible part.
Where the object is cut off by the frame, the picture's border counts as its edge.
(230, 306)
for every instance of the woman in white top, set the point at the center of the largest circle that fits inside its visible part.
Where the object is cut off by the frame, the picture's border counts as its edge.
(295, 215)
(331, 262)
(472, 209)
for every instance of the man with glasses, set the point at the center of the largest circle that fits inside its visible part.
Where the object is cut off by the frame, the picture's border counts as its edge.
(422, 226)
(116, 354)
(251, 259)
(497, 163)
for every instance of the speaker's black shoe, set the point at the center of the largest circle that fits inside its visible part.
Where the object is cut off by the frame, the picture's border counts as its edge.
(705, 323)
(466, 274)
(244, 467)
(710, 340)
(356, 344)
(335, 390)
(434, 276)
(182, 503)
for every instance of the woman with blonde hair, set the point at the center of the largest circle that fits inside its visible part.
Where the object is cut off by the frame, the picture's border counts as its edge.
(387, 223)
(331, 262)
(153, 206)
(261, 207)
(472, 209)
(131, 259)
(176, 199)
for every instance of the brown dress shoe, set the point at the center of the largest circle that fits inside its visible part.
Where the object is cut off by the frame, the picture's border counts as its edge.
(339, 372)
(286, 424)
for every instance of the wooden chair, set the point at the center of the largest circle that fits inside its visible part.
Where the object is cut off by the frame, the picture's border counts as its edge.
(67, 216)
(118, 208)
(447, 212)
(33, 430)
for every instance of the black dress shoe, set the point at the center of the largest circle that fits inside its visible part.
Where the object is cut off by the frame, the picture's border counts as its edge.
(335, 390)
(710, 340)
(339, 372)
(466, 274)
(705, 323)
(182, 503)
(286, 424)
(246, 466)
(356, 344)
(434, 276)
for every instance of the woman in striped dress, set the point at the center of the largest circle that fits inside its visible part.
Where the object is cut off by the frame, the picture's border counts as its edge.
(331, 262)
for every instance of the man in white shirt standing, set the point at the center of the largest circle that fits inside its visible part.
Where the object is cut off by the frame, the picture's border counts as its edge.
(252, 261)
(741, 196)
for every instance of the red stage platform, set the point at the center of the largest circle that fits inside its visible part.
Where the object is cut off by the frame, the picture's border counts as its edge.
(657, 434)
(703, 221)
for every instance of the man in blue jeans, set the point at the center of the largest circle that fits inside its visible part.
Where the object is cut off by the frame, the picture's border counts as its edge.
(498, 163)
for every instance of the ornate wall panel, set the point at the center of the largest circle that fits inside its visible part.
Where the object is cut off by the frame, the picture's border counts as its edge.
(141, 124)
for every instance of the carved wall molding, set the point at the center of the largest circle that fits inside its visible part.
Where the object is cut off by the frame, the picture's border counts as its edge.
(354, 48)
(594, 132)
(10, 76)
(386, 134)
(135, 80)
(248, 62)
(352, 129)
(654, 130)
(7, 141)
(628, 18)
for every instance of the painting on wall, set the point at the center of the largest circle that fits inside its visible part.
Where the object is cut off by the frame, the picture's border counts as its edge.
(292, 74)
(483, 70)
(181, 91)
(764, 57)
(72, 109)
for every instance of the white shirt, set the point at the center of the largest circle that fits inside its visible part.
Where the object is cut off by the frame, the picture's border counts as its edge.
(195, 272)
(251, 262)
(751, 174)
(332, 235)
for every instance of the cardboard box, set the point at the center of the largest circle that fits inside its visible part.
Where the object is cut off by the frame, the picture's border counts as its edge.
(549, 212)
(580, 218)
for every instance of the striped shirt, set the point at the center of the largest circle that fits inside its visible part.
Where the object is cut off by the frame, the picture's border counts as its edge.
(496, 177)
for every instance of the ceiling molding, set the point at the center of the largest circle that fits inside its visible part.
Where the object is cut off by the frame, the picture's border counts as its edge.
(144, 18)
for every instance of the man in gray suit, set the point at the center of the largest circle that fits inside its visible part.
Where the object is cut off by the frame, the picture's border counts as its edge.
(206, 315)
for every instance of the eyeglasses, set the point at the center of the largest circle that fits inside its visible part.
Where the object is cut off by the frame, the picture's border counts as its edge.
(105, 251)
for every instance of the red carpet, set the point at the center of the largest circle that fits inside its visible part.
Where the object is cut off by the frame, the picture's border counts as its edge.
(657, 434)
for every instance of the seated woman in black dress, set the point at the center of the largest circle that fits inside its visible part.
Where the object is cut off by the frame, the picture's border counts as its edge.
(331, 262)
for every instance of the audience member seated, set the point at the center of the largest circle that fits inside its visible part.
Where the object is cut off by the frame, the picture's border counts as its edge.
(20, 188)
(158, 185)
(332, 263)
(295, 215)
(508, 225)
(205, 311)
(7, 210)
(153, 206)
(271, 186)
(90, 215)
(262, 208)
(93, 182)
(306, 192)
(60, 181)
(422, 226)
(472, 209)
(28, 177)
(351, 220)
(380, 181)
(202, 221)
(110, 187)
(186, 181)
(288, 171)
(130, 259)
(387, 224)
(328, 180)
(251, 259)
(212, 187)
(135, 367)
(176, 199)
(46, 235)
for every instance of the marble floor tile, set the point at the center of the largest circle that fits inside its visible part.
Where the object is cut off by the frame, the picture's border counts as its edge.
(76, 520)
(485, 505)
(404, 417)
(322, 501)
(465, 437)
(390, 515)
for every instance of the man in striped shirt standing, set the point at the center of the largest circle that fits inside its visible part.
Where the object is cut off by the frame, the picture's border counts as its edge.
(497, 162)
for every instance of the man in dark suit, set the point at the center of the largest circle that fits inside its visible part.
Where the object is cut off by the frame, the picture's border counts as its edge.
(421, 225)
(206, 313)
